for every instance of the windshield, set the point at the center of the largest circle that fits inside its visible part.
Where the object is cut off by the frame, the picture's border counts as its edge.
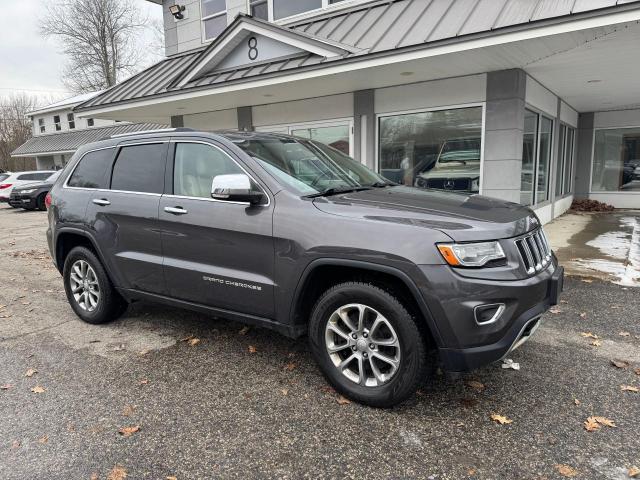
(308, 167)
(460, 150)
(54, 177)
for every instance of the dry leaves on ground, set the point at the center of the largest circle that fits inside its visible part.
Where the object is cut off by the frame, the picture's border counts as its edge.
(117, 473)
(145, 351)
(555, 310)
(594, 423)
(144, 381)
(128, 410)
(171, 477)
(476, 385)
(583, 315)
(128, 431)
(193, 342)
(343, 400)
(589, 335)
(290, 366)
(15, 445)
(637, 371)
(633, 472)
(629, 388)
(624, 334)
(576, 401)
(252, 349)
(566, 470)
(501, 419)
(284, 392)
(44, 439)
(244, 330)
(6, 386)
(596, 343)
(38, 389)
(31, 372)
(619, 363)
(587, 280)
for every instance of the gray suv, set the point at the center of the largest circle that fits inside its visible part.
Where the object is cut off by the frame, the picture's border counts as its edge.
(387, 281)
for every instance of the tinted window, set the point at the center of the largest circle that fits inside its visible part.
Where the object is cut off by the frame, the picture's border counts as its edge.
(92, 169)
(42, 176)
(3, 176)
(25, 176)
(140, 168)
(196, 165)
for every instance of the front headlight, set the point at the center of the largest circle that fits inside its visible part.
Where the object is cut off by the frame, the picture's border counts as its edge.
(31, 190)
(470, 254)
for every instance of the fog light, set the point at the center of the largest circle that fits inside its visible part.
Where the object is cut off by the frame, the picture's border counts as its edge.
(487, 314)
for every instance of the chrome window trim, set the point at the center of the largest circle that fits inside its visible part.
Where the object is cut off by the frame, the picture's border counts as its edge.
(186, 197)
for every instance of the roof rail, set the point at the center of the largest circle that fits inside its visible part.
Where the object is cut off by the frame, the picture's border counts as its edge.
(159, 130)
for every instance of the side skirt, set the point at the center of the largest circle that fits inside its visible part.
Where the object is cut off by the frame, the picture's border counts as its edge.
(286, 330)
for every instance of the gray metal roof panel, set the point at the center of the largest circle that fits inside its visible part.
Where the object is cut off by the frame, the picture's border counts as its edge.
(384, 23)
(552, 8)
(452, 21)
(516, 12)
(71, 141)
(585, 5)
(483, 17)
(427, 23)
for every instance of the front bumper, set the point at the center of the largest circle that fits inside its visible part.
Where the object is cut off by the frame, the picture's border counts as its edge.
(22, 201)
(468, 345)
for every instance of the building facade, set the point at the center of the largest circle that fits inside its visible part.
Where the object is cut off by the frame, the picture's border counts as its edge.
(531, 101)
(57, 132)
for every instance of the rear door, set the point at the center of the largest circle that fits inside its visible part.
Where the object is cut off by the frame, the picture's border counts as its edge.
(216, 253)
(124, 218)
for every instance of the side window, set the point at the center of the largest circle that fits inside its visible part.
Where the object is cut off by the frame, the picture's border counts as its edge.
(195, 166)
(43, 176)
(92, 169)
(25, 176)
(140, 168)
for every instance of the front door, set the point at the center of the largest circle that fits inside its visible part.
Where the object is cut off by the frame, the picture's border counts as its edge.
(216, 253)
(124, 218)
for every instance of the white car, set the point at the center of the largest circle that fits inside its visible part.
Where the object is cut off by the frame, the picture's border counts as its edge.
(19, 179)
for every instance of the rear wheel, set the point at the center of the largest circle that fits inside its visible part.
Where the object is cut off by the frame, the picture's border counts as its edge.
(89, 290)
(367, 344)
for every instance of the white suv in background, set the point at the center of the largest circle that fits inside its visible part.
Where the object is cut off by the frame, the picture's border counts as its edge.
(19, 179)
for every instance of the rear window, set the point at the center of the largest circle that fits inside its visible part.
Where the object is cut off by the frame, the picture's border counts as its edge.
(92, 169)
(3, 176)
(140, 168)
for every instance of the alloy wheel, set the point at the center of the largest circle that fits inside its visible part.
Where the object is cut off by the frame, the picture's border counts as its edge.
(362, 345)
(84, 285)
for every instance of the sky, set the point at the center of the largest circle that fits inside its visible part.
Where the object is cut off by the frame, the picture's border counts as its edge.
(30, 63)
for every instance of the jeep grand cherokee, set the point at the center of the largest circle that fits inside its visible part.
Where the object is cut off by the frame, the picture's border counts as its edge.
(387, 281)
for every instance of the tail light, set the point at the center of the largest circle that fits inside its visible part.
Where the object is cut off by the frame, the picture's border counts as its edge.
(5, 185)
(47, 200)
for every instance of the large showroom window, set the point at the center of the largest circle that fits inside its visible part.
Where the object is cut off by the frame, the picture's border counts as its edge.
(439, 150)
(616, 160)
(335, 133)
(564, 166)
(536, 158)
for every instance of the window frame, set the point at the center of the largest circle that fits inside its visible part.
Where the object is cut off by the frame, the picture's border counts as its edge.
(57, 124)
(169, 174)
(483, 105)
(71, 121)
(42, 125)
(562, 159)
(536, 161)
(326, 7)
(70, 174)
(593, 154)
(90, 122)
(204, 18)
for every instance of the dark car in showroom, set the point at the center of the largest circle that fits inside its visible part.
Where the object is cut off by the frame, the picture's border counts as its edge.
(32, 195)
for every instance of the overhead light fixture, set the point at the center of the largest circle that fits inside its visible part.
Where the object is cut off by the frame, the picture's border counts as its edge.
(595, 80)
(176, 11)
(268, 95)
(406, 74)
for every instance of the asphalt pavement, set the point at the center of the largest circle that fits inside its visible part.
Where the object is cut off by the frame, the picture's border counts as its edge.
(164, 393)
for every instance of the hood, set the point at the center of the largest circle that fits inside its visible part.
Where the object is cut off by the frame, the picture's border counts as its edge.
(461, 217)
(29, 186)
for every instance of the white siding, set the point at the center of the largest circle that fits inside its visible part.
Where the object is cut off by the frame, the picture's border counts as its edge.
(618, 118)
(568, 115)
(220, 120)
(308, 110)
(434, 94)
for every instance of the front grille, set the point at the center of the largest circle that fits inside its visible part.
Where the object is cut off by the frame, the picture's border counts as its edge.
(534, 251)
(449, 183)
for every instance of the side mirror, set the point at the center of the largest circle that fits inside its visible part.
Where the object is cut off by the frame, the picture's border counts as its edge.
(235, 188)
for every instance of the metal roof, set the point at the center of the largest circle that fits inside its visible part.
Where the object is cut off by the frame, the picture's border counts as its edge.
(70, 141)
(371, 28)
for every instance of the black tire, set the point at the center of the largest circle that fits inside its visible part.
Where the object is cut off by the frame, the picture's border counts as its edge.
(414, 360)
(40, 205)
(110, 305)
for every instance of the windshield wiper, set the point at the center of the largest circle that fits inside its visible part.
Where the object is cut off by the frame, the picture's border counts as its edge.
(336, 191)
(380, 184)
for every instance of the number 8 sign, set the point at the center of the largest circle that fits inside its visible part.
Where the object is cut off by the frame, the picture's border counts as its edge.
(253, 48)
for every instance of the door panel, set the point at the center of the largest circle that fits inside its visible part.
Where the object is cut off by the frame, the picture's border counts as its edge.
(126, 228)
(216, 253)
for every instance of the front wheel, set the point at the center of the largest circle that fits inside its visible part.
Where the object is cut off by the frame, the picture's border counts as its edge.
(367, 344)
(89, 290)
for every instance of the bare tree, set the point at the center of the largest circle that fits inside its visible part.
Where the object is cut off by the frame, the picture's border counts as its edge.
(15, 126)
(99, 39)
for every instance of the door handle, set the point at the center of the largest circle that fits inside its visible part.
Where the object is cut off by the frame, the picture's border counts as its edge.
(175, 210)
(103, 202)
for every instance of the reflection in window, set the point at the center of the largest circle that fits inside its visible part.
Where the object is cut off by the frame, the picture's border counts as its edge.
(616, 160)
(336, 137)
(214, 17)
(259, 9)
(546, 126)
(287, 8)
(536, 158)
(195, 167)
(529, 148)
(564, 165)
(438, 150)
